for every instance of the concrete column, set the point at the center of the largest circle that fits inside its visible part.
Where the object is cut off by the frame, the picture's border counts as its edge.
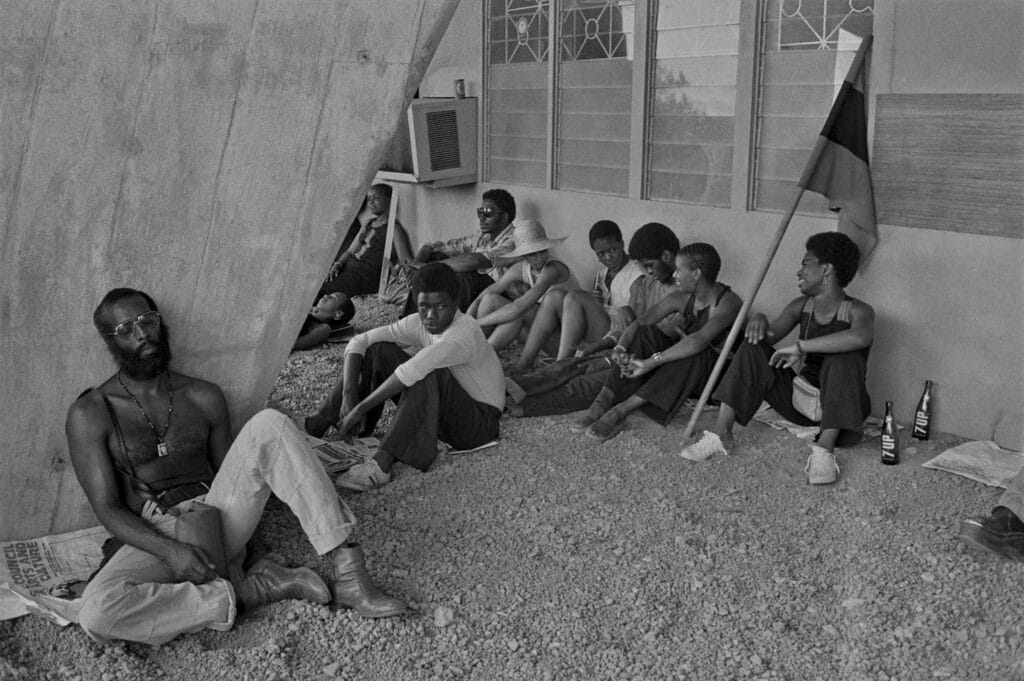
(200, 151)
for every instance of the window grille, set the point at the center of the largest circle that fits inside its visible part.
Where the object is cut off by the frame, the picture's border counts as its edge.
(807, 48)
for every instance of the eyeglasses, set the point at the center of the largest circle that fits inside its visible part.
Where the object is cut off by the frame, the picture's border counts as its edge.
(487, 213)
(147, 321)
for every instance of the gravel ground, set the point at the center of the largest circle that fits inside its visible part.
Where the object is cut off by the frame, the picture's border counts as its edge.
(550, 557)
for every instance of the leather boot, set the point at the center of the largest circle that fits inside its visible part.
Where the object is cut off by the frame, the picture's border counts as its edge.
(352, 587)
(267, 582)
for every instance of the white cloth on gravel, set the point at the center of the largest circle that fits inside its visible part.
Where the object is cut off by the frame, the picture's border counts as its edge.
(872, 426)
(984, 461)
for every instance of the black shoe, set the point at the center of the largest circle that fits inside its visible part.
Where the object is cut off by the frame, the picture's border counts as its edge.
(1001, 533)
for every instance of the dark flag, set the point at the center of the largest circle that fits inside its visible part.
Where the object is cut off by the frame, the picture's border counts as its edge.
(841, 172)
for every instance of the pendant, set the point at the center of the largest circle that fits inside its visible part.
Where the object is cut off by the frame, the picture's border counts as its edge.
(161, 449)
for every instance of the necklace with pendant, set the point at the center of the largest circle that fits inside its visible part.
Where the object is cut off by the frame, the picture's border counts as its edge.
(161, 440)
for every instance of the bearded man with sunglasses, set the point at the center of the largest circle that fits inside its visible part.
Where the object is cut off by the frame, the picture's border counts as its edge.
(146, 446)
(477, 258)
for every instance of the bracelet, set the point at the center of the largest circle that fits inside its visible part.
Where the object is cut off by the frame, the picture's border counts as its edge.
(618, 347)
(657, 358)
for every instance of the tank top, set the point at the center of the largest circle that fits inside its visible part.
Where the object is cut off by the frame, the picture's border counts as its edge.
(810, 328)
(693, 322)
(568, 285)
(371, 251)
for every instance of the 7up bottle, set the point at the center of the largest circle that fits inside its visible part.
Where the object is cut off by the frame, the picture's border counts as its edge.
(890, 438)
(923, 413)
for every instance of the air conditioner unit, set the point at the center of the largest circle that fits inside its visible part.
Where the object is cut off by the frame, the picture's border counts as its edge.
(437, 146)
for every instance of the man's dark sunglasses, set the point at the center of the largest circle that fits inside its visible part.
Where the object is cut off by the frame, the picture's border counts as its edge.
(146, 321)
(487, 213)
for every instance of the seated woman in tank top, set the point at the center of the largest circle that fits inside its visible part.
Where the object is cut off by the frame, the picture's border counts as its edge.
(658, 370)
(355, 270)
(526, 293)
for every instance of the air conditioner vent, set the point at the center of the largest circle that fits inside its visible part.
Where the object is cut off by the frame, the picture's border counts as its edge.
(443, 139)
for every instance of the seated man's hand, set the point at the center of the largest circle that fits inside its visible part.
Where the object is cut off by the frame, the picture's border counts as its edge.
(351, 420)
(756, 329)
(336, 266)
(639, 367)
(587, 349)
(352, 424)
(189, 563)
(786, 357)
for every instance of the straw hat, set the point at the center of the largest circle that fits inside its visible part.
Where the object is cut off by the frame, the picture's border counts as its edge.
(529, 237)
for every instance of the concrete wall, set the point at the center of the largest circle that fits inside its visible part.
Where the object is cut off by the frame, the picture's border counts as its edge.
(200, 151)
(948, 305)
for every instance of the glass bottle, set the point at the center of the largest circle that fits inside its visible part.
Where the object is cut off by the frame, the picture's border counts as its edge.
(890, 438)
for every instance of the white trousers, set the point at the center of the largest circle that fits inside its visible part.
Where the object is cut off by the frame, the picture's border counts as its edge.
(134, 598)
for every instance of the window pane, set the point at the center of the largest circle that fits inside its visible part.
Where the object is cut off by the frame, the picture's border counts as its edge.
(594, 95)
(517, 92)
(518, 31)
(808, 48)
(692, 116)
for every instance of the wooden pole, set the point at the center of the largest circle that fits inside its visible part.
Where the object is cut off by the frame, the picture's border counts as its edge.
(748, 300)
(389, 241)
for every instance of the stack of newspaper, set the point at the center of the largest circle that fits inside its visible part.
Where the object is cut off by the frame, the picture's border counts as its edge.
(338, 456)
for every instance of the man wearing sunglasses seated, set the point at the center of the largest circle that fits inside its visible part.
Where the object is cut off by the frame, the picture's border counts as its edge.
(477, 257)
(148, 444)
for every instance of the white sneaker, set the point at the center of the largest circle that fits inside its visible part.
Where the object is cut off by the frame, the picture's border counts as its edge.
(363, 477)
(706, 447)
(821, 467)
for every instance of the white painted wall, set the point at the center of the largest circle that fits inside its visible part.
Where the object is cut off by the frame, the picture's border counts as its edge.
(948, 305)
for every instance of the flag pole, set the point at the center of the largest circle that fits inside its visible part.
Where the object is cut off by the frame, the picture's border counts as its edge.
(748, 300)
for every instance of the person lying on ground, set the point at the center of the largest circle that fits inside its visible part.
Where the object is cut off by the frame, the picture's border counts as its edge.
(1002, 531)
(586, 317)
(829, 355)
(573, 383)
(658, 371)
(450, 389)
(355, 270)
(526, 302)
(332, 313)
(477, 258)
(147, 445)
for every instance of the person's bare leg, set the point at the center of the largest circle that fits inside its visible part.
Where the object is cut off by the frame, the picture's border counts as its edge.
(583, 319)
(827, 439)
(723, 425)
(545, 322)
(504, 334)
(488, 303)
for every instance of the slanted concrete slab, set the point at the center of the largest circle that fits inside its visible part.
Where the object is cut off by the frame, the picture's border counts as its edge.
(200, 151)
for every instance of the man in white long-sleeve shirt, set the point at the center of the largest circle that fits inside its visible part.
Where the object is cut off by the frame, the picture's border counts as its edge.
(452, 388)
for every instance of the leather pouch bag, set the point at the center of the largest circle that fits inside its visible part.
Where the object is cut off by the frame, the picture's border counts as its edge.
(807, 399)
(199, 524)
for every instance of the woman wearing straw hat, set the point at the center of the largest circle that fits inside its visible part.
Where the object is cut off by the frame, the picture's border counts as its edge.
(507, 308)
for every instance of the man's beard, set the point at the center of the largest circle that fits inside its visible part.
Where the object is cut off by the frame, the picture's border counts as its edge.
(136, 366)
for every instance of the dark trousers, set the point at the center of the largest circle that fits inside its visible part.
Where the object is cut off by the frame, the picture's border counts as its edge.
(666, 388)
(436, 407)
(471, 284)
(560, 388)
(844, 396)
